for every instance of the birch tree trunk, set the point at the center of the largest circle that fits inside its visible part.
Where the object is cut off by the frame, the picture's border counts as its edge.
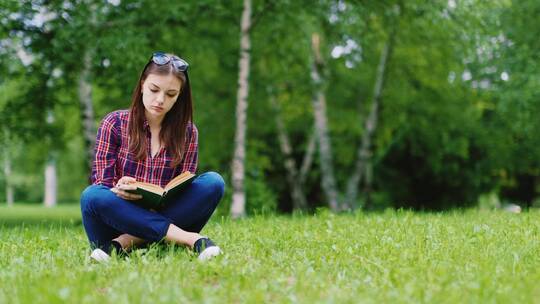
(298, 196)
(238, 207)
(87, 109)
(50, 187)
(321, 127)
(50, 183)
(363, 165)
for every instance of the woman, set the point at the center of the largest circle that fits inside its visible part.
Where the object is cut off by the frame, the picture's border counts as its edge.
(154, 141)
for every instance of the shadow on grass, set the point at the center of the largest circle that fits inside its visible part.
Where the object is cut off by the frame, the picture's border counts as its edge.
(156, 250)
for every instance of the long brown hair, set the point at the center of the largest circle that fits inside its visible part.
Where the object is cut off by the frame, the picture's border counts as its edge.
(175, 122)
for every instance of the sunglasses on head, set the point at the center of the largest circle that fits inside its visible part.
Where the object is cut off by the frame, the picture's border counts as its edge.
(178, 63)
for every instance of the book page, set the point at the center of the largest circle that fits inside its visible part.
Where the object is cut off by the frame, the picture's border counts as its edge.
(178, 180)
(150, 187)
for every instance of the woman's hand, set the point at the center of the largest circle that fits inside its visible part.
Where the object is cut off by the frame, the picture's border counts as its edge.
(124, 184)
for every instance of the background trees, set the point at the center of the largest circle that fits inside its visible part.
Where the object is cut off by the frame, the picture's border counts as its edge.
(455, 116)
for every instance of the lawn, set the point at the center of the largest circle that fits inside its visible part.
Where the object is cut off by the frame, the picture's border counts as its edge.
(458, 257)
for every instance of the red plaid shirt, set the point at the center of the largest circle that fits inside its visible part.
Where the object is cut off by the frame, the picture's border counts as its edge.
(113, 160)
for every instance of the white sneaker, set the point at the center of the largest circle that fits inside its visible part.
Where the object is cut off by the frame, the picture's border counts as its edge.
(209, 253)
(206, 249)
(100, 256)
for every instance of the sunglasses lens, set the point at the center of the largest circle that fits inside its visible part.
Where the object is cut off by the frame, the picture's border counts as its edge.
(180, 64)
(160, 58)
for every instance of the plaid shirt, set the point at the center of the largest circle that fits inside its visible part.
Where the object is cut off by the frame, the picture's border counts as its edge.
(113, 160)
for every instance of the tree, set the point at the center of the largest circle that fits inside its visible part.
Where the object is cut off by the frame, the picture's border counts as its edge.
(364, 162)
(319, 106)
(294, 177)
(239, 197)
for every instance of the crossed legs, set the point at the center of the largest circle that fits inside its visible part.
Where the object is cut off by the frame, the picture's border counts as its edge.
(107, 217)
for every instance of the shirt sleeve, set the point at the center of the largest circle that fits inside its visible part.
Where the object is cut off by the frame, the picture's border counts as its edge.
(105, 151)
(191, 151)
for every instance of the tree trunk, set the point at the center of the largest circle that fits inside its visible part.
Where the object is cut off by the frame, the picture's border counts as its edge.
(364, 164)
(50, 183)
(238, 207)
(308, 157)
(87, 110)
(298, 196)
(50, 188)
(321, 127)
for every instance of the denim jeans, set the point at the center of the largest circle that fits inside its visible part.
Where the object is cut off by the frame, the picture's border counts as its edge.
(106, 216)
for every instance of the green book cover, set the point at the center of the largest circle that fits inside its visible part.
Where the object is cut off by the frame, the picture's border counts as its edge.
(155, 197)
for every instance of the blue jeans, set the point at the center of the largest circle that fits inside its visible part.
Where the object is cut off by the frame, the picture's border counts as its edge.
(106, 216)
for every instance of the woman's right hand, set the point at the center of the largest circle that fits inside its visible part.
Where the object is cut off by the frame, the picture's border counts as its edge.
(124, 184)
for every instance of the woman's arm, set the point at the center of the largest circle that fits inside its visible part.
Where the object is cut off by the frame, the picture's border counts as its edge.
(191, 151)
(106, 151)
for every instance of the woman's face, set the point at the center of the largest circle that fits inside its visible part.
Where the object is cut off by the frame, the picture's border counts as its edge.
(159, 93)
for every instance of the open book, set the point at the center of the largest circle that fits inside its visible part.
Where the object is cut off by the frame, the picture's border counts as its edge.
(154, 196)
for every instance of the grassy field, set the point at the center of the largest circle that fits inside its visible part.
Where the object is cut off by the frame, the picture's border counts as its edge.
(461, 257)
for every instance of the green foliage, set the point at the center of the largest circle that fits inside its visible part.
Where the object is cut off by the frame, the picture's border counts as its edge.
(450, 127)
(261, 199)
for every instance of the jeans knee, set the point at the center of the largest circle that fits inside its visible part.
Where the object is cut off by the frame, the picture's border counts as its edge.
(92, 198)
(215, 183)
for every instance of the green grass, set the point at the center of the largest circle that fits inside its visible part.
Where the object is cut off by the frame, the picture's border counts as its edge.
(469, 257)
(35, 215)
